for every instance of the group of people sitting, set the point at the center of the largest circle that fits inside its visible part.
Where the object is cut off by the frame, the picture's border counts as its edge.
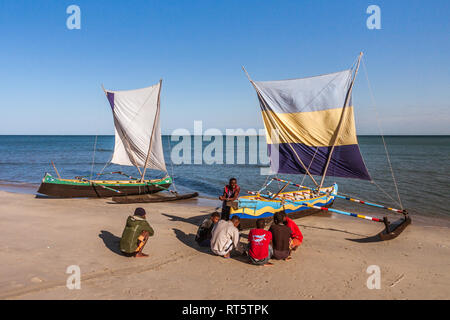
(221, 233)
(278, 242)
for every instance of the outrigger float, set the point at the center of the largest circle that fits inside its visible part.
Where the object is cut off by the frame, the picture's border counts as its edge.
(310, 130)
(138, 143)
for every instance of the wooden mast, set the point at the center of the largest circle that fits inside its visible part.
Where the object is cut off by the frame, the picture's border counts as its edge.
(263, 101)
(153, 133)
(347, 98)
(56, 170)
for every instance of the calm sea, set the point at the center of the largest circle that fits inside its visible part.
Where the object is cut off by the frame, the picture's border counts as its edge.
(421, 167)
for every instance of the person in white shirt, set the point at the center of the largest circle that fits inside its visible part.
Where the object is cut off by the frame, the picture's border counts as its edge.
(225, 237)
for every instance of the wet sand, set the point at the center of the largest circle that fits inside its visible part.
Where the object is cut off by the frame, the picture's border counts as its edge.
(40, 238)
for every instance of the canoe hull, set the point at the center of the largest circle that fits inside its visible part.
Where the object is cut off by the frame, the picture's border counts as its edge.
(251, 208)
(160, 197)
(60, 188)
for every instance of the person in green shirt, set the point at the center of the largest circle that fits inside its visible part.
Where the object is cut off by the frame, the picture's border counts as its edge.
(135, 235)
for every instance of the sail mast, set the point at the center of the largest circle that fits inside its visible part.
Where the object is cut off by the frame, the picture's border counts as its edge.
(298, 158)
(347, 98)
(153, 132)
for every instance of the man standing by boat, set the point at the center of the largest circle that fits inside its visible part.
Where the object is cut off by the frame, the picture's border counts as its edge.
(135, 235)
(225, 237)
(230, 193)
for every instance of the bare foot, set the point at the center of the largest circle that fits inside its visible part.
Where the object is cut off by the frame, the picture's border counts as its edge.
(141, 255)
(288, 258)
(227, 256)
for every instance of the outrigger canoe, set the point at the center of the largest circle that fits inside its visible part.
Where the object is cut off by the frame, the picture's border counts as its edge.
(256, 206)
(310, 130)
(137, 143)
(74, 188)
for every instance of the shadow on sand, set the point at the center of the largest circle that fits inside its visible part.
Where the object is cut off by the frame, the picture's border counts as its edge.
(196, 221)
(364, 239)
(332, 229)
(189, 240)
(111, 241)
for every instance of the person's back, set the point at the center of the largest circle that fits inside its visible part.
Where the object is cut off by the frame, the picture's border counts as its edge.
(281, 236)
(136, 226)
(296, 234)
(259, 239)
(225, 237)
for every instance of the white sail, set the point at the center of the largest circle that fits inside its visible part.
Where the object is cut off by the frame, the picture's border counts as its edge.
(136, 121)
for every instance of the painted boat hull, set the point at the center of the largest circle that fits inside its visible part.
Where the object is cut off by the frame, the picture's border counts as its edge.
(66, 188)
(251, 208)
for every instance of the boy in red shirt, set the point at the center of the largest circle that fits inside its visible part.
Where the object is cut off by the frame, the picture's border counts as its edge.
(296, 234)
(260, 250)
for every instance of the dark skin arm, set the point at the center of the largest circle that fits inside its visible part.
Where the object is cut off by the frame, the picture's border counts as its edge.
(223, 197)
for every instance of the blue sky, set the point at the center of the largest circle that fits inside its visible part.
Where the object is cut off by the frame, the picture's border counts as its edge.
(51, 77)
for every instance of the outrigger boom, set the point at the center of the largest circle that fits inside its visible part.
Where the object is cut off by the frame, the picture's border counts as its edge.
(387, 234)
(346, 198)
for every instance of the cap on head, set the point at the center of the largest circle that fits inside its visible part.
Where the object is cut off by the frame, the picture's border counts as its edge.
(139, 212)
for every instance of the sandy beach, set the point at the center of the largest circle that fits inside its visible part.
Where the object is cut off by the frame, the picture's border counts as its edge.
(40, 238)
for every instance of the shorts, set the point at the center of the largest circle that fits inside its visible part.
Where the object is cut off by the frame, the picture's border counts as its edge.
(263, 261)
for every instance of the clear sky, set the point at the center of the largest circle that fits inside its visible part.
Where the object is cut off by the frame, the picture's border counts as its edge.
(51, 76)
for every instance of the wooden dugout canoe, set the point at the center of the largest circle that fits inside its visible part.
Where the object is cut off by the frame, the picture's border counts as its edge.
(76, 188)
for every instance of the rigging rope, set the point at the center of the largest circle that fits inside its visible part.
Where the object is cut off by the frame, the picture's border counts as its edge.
(382, 136)
(304, 176)
(93, 157)
(107, 164)
(387, 194)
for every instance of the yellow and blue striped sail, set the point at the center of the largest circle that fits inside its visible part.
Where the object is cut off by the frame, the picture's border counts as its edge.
(301, 118)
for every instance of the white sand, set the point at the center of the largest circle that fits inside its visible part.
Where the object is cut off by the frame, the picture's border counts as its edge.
(40, 238)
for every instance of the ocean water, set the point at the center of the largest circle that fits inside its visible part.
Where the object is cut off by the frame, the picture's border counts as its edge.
(421, 166)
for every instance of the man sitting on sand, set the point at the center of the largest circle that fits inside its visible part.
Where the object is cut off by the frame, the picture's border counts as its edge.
(296, 234)
(225, 237)
(135, 235)
(230, 193)
(281, 236)
(204, 232)
(260, 250)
